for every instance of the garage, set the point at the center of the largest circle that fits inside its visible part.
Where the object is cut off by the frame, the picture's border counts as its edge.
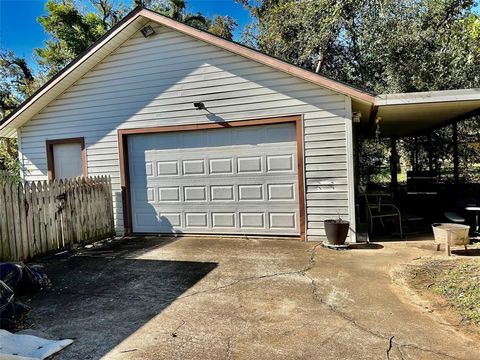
(240, 178)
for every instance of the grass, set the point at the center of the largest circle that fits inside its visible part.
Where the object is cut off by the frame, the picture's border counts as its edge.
(452, 283)
(459, 283)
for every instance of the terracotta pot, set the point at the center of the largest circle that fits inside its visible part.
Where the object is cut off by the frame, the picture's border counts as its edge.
(337, 231)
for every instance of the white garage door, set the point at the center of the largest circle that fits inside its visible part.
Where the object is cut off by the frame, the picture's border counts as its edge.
(238, 180)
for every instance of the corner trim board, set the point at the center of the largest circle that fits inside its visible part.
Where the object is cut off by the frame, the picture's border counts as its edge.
(350, 169)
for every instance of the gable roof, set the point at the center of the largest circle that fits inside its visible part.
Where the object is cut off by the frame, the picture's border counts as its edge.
(128, 26)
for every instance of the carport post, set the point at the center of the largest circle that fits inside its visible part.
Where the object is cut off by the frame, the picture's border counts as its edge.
(393, 165)
(430, 152)
(455, 152)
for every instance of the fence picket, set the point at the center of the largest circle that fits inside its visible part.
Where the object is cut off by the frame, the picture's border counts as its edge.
(22, 208)
(29, 219)
(16, 213)
(9, 200)
(36, 221)
(43, 215)
(78, 213)
(68, 214)
(63, 212)
(4, 236)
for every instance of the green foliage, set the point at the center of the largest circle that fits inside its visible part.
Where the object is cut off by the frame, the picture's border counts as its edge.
(374, 166)
(72, 30)
(385, 46)
(301, 32)
(222, 26)
(16, 81)
(9, 156)
(380, 45)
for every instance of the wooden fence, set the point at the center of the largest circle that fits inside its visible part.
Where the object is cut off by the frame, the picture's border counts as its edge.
(40, 217)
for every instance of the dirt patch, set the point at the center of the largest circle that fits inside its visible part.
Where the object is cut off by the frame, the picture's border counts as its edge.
(449, 287)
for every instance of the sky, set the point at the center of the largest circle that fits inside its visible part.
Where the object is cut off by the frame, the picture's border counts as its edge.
(19, 30)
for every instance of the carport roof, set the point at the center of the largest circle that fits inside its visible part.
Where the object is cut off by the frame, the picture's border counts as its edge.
(407, 114)
(401, 114)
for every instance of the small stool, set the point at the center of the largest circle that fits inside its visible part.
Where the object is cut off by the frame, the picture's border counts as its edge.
(451, 235)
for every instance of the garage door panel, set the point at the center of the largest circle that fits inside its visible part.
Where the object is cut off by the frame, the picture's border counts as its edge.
(237, 180)
(276, 163)
(193, 167)
(252, 220)
(281, 192)
(169, 194)
(222, 193)
(221, 166)
(249, 164)
(223, 219)
(250, 192)
(194, 193)
(282, 220)
(196, 220)
(172, 219)
(167, 168)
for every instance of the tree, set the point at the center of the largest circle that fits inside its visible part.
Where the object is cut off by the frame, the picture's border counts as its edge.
(302, 32)
(17, 81)
(72, 30)
(383, 46)
(222, 26)
(177, 9)
(380, 45)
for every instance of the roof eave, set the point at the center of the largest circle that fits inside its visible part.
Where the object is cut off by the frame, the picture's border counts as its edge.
(428, 97)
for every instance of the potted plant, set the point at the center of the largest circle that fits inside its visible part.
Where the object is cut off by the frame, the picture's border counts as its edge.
(336, 231)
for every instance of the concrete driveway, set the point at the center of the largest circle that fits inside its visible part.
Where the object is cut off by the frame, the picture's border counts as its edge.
(224, 298)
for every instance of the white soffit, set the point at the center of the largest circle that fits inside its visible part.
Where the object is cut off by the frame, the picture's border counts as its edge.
(411, 113)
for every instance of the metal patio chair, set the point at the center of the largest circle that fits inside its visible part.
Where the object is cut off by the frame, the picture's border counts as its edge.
(380, 209)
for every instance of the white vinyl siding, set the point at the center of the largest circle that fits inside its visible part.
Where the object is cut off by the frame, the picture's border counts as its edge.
(154, 82)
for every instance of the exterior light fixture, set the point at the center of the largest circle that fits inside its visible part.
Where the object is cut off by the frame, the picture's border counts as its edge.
(356, 116)
(199, 105)
(147, 31)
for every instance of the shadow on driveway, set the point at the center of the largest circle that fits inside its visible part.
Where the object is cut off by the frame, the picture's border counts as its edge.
(102, 296)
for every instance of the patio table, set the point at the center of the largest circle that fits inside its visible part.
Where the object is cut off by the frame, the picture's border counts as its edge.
(477, 210)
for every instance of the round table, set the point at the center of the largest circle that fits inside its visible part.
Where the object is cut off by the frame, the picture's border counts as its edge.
(477, 211)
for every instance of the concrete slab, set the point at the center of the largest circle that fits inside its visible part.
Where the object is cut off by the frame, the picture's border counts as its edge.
(228, 298)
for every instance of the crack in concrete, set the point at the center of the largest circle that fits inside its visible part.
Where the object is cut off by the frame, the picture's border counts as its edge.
(415, 346)
(390, 345)
(315, 295)
(332, 335)
(229, 349)
(402, 356)
(257, 277)
(174, 333)
(353, 322)
(235, 282)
